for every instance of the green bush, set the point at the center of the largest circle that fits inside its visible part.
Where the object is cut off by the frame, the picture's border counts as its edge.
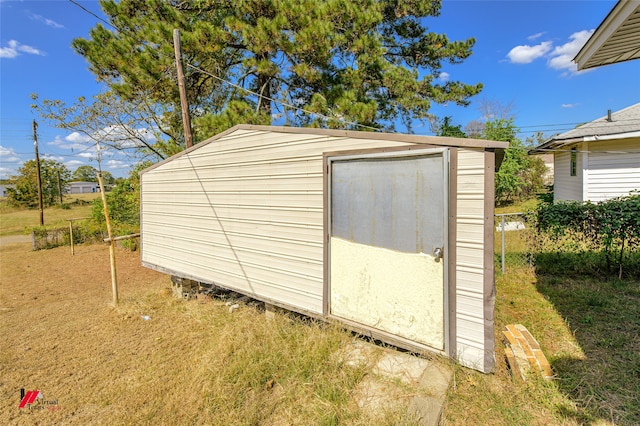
(123, 202)
(605, 235)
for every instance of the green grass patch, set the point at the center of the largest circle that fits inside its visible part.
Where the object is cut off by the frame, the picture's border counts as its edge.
(15, 221)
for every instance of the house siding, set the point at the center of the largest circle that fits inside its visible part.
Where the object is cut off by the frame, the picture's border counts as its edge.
(614, 169)
(567, 187)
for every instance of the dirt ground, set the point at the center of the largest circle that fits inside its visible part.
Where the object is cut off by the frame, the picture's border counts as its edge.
(49, 301)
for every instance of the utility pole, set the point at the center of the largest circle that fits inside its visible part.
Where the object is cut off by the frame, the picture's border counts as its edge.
(59, 188)
(186, 121)
(39, 178)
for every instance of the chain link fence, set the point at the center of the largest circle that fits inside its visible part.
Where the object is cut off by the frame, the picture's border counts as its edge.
(518, 243)
(513, 241)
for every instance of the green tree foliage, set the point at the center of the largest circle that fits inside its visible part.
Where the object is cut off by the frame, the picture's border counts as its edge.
(446, 128)
(520, 176)
(123, 201)
(367, 62)
(90, 174)
(236, 112)
(85, 174)
(25, 194)
(107, 178)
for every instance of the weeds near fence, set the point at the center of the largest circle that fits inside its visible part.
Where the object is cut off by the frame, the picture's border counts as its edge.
(592, 239)
(574, 239)
(87, 231)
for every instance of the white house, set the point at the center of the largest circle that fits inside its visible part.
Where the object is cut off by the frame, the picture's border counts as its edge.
(598, 160)
(390, 234)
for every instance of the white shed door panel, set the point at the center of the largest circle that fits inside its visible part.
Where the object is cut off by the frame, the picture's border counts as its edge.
(387, 226)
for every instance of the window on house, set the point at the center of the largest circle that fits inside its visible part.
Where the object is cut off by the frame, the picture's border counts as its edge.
(574, 161)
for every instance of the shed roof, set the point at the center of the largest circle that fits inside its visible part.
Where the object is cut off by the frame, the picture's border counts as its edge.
(396, 137)
(622, 125)
(617, 38)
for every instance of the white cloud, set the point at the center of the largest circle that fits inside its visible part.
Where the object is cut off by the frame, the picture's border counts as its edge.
(117, 164)
(444, 76)
(558, 57)
(77, 137)
(90, 155)
(74, 163)
(46, 21)
(526, 54)
(569, 105)
(5, 173)
(8, 155)
(561, 58)
(15, 48)
(63, 143)
(535, 36)
(53, 157)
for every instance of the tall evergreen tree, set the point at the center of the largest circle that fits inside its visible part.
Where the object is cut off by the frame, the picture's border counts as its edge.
(368, 62)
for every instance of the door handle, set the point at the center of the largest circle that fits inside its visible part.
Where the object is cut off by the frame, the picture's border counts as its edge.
(438, 252)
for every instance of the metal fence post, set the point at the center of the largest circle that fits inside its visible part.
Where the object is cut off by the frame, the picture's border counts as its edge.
(502, 226)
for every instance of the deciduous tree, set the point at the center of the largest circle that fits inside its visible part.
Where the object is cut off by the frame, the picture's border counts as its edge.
(25, 193)
(520, 175)
(85, 174)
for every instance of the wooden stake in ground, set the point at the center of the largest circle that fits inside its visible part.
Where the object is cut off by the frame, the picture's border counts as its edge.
(112, 247)
(71, 232)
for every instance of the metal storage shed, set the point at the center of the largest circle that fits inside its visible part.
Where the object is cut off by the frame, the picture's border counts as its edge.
(391, 234)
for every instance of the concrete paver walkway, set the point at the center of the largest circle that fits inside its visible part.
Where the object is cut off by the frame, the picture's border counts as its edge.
(397, 379)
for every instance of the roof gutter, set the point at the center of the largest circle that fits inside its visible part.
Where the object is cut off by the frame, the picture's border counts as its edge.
(554, 144)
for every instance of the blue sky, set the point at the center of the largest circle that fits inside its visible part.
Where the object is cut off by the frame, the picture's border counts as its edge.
(522, 56)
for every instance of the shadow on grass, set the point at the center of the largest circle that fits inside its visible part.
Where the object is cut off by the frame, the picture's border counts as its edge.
(604, 316)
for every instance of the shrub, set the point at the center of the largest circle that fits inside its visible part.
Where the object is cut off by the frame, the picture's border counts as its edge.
(607, 233)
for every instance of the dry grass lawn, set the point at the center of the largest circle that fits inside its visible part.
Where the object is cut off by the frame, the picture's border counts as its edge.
(195, 363)
(189, 363)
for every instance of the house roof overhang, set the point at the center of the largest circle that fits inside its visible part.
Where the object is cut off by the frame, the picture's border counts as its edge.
(557, 144)
(617, 38)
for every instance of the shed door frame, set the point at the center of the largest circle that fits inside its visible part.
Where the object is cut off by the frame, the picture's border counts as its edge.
(404, 152)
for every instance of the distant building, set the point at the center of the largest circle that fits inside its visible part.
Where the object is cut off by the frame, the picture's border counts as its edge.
(3, 188)
(83, 187)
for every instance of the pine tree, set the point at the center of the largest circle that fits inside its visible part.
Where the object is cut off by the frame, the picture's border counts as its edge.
(373, 63)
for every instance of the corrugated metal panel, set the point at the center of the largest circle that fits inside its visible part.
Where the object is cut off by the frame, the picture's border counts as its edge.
(566, 187)
(614, 169)
(246, 212)
(470, 258)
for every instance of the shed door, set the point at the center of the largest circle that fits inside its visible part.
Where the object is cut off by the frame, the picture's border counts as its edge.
(387, 236)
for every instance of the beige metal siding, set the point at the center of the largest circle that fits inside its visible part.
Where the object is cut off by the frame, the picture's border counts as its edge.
(614, 169)
(470, 253)
(565, 186)
(246, 212)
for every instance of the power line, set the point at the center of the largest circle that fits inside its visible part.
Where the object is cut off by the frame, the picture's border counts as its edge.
(92, 14)
(261, 96)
